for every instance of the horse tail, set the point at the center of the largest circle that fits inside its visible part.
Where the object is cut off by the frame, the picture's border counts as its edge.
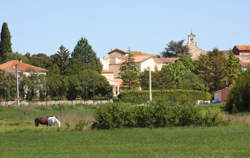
(36, 122)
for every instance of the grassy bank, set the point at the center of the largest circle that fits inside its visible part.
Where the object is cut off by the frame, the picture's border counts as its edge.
(227, 141)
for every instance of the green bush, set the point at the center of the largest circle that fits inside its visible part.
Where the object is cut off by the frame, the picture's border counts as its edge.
(182, 96)
(239, 96)
(119, 115)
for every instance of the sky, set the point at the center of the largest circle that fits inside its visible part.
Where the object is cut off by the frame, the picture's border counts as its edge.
(41, 26)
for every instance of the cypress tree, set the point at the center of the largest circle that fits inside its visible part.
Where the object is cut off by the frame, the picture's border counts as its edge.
(5, 44)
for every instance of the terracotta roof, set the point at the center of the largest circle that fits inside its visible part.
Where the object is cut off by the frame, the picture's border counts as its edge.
(107, 71)
(243, 47)
(117, 50)
(166, 60)
(11, 66)
(244, 63)
(118, 80)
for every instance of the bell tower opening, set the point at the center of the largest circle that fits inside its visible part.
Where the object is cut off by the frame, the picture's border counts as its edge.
(192, 39)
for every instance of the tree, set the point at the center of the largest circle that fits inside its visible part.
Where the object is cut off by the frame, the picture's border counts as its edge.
(81, 85)
(33, 87)
(155, 79)
(232, 68)
(239, 96)
(84, 53)
(175, 49)
(129, 73)
(7, 86)
(5, 44)
(189, 63)
(193, 82)
(176, 72)
(55, 84)
(63, 55)
(40, 60)
(211, 68)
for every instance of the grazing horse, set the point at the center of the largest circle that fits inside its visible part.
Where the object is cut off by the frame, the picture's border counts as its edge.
(53, 121)
(41, 120)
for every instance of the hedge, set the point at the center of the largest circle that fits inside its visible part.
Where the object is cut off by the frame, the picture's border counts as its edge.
(118, 115)
(178, 95)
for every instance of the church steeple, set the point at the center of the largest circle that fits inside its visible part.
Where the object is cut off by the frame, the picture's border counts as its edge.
(192, 39)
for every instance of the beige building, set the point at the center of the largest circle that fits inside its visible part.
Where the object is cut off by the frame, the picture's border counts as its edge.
(144, 61)
(194, 50)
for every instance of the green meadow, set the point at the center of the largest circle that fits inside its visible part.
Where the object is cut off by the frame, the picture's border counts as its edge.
(19, 138)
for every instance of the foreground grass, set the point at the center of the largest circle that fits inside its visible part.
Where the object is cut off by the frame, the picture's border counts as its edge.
(224, 141)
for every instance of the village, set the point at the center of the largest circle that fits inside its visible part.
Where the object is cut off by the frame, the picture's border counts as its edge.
(124, 79)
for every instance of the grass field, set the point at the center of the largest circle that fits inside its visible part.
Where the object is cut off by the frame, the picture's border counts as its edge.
(20, 139)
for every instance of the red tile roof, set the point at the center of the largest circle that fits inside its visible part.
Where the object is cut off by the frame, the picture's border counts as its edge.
(11, 66)
(167, 60)
(107, 71)
(117, 50)
(243, 47)
(244, 63)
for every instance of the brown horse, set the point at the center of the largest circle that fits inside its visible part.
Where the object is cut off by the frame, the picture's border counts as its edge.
(41, 120)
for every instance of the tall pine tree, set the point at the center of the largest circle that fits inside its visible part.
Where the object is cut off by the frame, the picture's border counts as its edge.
(5, 44)
(86, 55)
(232, 68)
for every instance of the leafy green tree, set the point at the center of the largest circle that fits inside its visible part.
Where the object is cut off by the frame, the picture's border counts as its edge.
(129, 73)
(57, 86)
(176, 72)
(189, 63)
(232, 68)
(33, 87)
(175, 49)
(193, 82)
(7, 86)
(239, 96)
(5, 44)
(88, 84)
(155, 78)
(211, 69)
(84, 53)
(40, 60)
(15, 56)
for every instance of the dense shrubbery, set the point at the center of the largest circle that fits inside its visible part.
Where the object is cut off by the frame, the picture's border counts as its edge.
(160, 115)
(183, 96)
(239, 96)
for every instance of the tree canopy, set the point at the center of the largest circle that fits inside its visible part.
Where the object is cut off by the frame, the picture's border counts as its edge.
(86, 55)
(175, 49)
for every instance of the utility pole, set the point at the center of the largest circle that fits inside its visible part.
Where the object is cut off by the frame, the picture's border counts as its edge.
(17, 85)
(150, 86)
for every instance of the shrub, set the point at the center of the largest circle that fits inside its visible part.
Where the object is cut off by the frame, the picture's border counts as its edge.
(182, 96)
(81, 125)
(239, 96)
(119, 115)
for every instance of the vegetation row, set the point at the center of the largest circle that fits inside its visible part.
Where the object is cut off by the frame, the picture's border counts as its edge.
(156, 115)
(176, 95)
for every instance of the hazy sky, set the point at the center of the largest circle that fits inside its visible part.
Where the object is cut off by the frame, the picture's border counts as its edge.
(41, 26)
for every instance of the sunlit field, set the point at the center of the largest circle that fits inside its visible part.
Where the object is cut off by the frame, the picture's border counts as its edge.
(20, 138)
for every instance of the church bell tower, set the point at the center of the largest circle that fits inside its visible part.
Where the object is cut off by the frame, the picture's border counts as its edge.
(192, 39)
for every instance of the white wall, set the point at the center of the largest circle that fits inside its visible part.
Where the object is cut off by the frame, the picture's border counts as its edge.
(105, 63)
(148, 63)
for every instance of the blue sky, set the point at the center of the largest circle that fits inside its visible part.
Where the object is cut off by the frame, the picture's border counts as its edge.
(41, 26)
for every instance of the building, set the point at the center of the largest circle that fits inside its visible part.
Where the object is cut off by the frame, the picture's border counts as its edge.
(243, 53)
(144, 61)
(23, 69)
(194, 50)
(221, 95)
